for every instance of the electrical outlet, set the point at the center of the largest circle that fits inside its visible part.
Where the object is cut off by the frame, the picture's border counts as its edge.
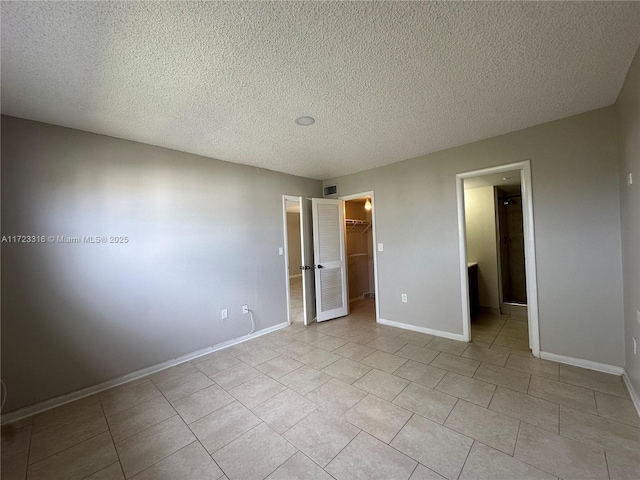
(634, 346)
(225, 313)
(245, 309)
(380, 247)
(404, 298)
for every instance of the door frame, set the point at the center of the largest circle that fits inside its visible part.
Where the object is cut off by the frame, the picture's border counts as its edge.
(529, 247)
(298, 200)
(370, 194)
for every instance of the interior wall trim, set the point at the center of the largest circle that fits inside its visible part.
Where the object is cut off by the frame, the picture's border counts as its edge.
(580, 362)
(529, 245)
(635, 398)
(86, 392)
(430, 331)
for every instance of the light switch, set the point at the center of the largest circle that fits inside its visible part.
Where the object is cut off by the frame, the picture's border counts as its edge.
(630, 179)
(380, 247)
(280, 251)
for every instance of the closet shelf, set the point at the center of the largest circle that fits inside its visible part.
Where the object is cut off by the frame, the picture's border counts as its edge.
(354, 223)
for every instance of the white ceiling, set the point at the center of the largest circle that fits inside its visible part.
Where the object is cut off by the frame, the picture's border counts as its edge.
(504, 179)
(292, 207)
(385, 81)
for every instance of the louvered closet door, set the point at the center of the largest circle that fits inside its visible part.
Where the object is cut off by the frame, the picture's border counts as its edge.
(332, 300)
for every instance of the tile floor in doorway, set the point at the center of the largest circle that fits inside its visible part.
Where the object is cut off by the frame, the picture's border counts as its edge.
(345, 399)
(296, 308)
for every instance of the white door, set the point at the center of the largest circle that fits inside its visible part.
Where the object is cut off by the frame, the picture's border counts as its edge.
(308, 277)
(332, 299)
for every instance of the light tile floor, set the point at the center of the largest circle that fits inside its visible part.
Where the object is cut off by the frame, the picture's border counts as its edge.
(344, 399)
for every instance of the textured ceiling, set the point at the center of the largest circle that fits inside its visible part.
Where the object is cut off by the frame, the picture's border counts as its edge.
(384, 81)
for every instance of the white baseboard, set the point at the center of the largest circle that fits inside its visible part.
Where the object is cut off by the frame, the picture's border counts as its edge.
(414, 328)
(86, 392)
(635, 398)
(295, 276)
(355, 299)
(599, 367)
(579, 362)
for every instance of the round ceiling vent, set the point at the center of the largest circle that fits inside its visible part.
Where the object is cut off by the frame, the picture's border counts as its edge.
(305, 121)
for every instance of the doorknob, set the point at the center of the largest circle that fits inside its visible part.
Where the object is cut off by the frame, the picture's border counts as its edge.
(320, 266)
(304, 267)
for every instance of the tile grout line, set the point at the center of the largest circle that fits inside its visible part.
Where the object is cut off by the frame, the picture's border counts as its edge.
(440, 381)
(63, 450)
(26, 471)
(124, 387)
(516, 442)
(132, 407)
(343, 448)
(492, 395)
(229, 442)
(313, 411)
(450, 411)
(176, 414)
(111, 435)
(606, 462)
(164, 458)
(524, 461)
(414, 469)
(400, 429)
(467, 457)
(185, 396)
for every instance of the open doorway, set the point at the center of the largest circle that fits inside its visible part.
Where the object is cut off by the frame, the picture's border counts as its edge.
(498, 257)
(510, 237)
(359, 249)
(293, 251)
(316, 227)
(361, 253)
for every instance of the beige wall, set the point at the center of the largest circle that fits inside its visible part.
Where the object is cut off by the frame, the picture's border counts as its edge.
(576, 207)
(293, 243)
(203, 236)
(628, 110)
(479, 207)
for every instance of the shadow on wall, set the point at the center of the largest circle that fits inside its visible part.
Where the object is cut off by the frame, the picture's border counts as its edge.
(95, 309)
(203, 235)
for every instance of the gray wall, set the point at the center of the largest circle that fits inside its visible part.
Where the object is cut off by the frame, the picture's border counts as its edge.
(203, 236)
(577, 232)
(628, 109)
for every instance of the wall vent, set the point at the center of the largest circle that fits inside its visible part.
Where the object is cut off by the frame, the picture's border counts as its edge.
(331, 190)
